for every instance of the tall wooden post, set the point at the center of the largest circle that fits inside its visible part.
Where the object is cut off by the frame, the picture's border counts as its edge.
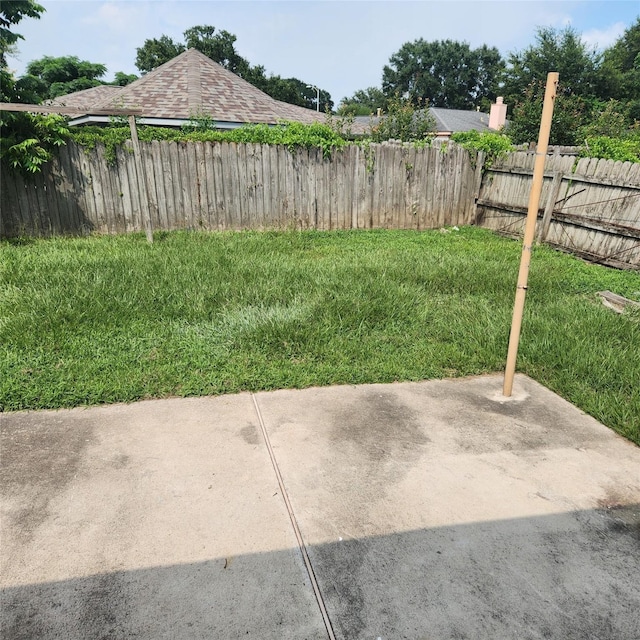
(142, 179)
(529, 230)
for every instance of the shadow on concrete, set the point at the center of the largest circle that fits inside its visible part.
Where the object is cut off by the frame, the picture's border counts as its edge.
(567, 576)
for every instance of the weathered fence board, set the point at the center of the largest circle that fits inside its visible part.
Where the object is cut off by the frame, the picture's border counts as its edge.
(596, 215)
(217, 186)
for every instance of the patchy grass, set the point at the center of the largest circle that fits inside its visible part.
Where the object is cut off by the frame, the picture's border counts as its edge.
(108, 319)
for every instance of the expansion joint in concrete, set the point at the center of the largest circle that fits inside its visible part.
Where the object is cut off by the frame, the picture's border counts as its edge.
(294, 524)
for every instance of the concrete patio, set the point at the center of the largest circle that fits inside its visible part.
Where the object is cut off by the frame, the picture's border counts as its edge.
(431, 510)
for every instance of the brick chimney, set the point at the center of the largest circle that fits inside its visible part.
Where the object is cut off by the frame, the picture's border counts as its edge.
(498, 115)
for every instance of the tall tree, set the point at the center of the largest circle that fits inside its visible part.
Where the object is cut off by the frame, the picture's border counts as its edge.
(584, 91)
(297, 92)
(445, 73)
(220, 47)
(156, 51)
(554, 50)
(621, 68)
(364, 102)
(122, 79)
(11, 13)
(59, 76)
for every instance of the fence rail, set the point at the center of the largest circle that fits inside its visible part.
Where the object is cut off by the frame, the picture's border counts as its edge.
(209, 186)
(592, 206)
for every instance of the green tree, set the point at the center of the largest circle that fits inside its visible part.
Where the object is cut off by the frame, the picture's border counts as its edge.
(11, 13)
(220, 47)
(581, 90)
(295, 91)
(59, 76)
(569, 114)
(27, 140)
(554, 50)
(122, 79)
(445, 73)
(156, 51)
(621, 68)
(364, 102)
(608, 119)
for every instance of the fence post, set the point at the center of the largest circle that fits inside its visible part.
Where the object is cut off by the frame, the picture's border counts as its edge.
(477, 184)
(551, 202)
(141, 179)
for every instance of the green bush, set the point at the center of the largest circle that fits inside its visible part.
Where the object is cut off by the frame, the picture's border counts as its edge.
(622, 149)
(493, 144)
(403, 121)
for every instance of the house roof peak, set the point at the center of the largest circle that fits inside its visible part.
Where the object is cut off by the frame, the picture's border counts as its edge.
(192, 84)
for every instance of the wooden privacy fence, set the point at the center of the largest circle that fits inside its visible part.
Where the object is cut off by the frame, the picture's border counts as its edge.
(215, 186)
(591, 207)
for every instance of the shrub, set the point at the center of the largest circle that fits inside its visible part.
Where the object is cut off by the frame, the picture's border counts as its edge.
(493, 144)
(403, 121)
(622, 149)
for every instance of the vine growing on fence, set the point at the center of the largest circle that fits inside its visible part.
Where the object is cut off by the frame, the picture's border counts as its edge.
(293, 135)
(327, 137)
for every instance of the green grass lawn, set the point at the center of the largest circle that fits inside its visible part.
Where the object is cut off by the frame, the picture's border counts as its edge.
(109, 319)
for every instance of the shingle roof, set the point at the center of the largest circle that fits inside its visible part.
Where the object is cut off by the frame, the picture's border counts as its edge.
(87, 98)
(447, 120)
(192, 84)
(459, 120)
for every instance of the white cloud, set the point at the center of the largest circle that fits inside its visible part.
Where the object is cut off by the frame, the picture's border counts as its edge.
(603, 38)
(117, 16)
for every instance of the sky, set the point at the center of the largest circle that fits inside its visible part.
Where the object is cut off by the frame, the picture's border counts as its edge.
(339, 46)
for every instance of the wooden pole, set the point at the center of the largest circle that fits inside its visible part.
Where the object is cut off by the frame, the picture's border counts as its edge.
(529, 230)
(142, 179)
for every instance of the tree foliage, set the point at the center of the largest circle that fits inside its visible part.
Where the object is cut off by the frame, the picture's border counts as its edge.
(157, 51)
(554, 50)
(597, 93)
(569, 114)
(445, 73)
(364, 102)
(122, 79)
(51, 77)
(621, 67)
(295, 91)
(27, 140)
(11, 13)
(220, 47)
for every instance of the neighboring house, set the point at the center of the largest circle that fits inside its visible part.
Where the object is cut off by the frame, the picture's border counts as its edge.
(188, 86)
(192, 85)
(449, 121)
